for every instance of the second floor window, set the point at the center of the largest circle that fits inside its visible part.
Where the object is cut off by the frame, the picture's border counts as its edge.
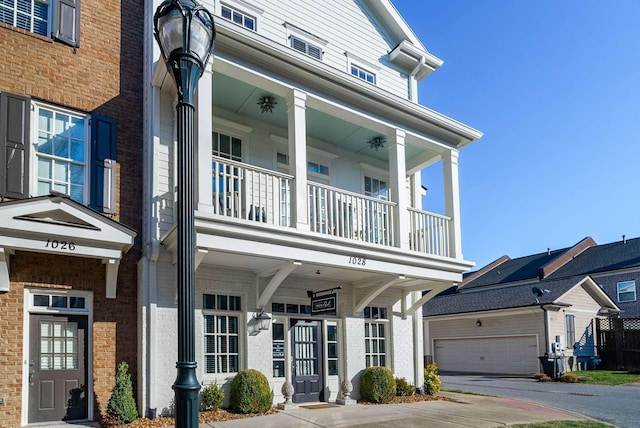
(375, 188)
(61, 152)
(226, 146)
(238, 17)
(626, 291)
(59, 19)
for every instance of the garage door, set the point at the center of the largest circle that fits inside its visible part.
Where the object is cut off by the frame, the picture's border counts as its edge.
(499, 355)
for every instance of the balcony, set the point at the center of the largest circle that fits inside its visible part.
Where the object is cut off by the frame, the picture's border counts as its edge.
(251, 194)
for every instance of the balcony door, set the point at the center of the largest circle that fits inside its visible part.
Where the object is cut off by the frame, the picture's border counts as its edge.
(306, 376)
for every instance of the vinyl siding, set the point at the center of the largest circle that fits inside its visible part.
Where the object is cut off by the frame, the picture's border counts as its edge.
(345, 26)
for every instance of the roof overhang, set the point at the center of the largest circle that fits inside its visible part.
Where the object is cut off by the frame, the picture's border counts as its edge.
(416, 62)
(56, 224)
(598, 294)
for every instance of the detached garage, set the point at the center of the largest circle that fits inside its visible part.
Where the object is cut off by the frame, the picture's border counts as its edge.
(516, 355)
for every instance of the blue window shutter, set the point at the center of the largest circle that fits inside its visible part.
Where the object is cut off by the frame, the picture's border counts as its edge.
(103, 164)
(14, 145)
(66, 22)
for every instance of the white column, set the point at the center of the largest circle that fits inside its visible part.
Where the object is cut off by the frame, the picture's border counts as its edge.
(418, 347)
(296, 103)
(204, 138)
(452, 201)
(398, 189)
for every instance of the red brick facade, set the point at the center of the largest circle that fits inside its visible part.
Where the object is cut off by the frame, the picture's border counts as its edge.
(103, 76)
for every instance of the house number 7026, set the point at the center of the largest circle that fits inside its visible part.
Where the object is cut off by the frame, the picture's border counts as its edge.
(63, 245)
(360, 261)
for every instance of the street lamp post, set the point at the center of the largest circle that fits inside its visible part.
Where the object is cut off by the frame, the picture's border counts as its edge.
(185, 32)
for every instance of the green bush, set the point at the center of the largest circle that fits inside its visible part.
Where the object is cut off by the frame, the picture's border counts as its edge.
(432, 382)
(404, 388)
(250, 392)
(212, 397)
(377, 385)
(122, 405)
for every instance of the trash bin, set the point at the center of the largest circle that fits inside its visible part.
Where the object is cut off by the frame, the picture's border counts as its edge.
(552, 366)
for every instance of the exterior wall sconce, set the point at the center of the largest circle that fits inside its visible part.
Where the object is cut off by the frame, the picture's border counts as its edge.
(267, 103)
(478, 323)
(262, 319)
(377, 142)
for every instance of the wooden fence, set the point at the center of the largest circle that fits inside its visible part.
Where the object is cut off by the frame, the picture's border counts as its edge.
(618, 342)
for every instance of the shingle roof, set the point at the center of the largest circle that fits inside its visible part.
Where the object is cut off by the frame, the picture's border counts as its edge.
(520, 269)
(505, 297)
(602, 258)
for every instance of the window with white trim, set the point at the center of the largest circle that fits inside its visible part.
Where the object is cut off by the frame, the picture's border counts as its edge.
(363, 74)
(278, 337)
(305, 47)
(626, 291)
(227, 146)
(59, 19)
(570, 324)
(238, 17)
(375, 335)
(221, 315)
(61, 151)
(376, 188)
(332, 349)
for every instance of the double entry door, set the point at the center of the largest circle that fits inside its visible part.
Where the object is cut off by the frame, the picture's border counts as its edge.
(57, 368)
(306, 361)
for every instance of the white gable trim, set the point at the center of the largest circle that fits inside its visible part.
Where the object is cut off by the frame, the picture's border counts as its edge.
(58, 225)
(595, 291)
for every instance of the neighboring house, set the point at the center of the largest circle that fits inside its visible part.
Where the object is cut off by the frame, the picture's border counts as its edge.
(501, 318)
(311, 143)
(70, 124)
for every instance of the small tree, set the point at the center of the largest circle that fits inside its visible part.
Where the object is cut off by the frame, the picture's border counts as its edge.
(377, 385)
(122, 405)
(432, 382)
(250, 392)
(212, 397)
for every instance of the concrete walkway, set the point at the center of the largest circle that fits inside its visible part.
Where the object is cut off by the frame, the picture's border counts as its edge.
(460, 410)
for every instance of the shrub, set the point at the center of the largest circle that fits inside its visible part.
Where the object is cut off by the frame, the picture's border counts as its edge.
(542, 377)
(404, 388)
(212, 397)
(250, 392)
(377, 385)
(568, 378)
(432, 382)
(122, 405)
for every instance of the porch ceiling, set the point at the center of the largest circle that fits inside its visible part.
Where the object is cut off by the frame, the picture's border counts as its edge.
(241, 98)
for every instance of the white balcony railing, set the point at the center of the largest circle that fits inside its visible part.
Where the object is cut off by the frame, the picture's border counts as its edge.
(251, 193)
(247, 192)
(350, 215)
(429, 233)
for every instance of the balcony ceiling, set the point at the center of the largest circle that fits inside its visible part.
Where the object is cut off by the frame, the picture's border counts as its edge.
(241, 99)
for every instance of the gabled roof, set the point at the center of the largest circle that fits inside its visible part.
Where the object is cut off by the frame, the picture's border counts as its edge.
(536, 266)
(513, 296)
(623, 254)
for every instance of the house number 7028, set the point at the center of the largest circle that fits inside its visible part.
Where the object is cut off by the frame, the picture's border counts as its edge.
(360, 261)
(63, 245)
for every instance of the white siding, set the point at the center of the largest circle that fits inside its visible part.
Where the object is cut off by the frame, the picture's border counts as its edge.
(345, 26)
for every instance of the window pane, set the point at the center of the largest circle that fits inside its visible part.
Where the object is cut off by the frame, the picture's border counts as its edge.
(222, 302)
(292, 309)
(277, 307)
(278, 369)
(221, 324)
(333, 367)
(45, 143)
(225, 145)
(45, 120)
(332, 350)
(233, 344)
(41, 300)
(277, 331)
(233, 325)
(210, 344)
(77, 302)
(234, 303)
(46, 346)
(60, 123)
(208, 324)
(58, 301)
(249, 23)
(332, 333)
(226, 12)
(208, 301)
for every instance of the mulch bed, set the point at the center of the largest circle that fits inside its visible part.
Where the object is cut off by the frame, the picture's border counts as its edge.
(222, 415)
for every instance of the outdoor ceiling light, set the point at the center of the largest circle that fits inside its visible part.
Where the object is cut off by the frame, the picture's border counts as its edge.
(267, 103)
(376, 142)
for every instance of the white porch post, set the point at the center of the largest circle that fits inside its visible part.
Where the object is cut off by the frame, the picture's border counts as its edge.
(398, 188)
(204, 138)
(296, 103)
(418, 347)
(452, 201)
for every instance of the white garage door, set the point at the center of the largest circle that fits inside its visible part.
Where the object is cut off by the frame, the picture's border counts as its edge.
(499, 355)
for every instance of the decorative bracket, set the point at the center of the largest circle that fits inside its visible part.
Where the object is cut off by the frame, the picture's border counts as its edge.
(112, 276)
(375, 293)
(282, 273)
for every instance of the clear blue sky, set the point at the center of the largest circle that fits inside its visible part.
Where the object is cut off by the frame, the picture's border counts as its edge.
(555, 87)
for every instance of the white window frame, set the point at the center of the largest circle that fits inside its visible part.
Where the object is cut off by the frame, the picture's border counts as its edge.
(370, 322)
(626, 284)
(36, 106)
(295, 33)
(238, 11)
(336, 325)
(570, 333)
(239, 314)
(363, 65)
(32, 17)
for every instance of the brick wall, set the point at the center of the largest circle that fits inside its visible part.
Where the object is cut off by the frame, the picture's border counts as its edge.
(103, 76)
